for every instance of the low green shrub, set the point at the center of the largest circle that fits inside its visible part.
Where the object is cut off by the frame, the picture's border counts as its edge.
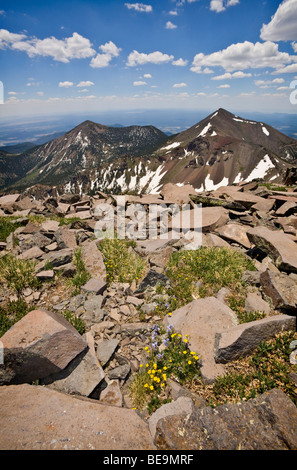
(122, 263)
(18, 274)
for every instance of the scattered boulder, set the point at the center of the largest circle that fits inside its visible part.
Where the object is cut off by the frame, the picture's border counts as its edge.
(281, 288)
(235, 233)
(268, 422)
(255, 303)
(97, 286)
(182, 406)
(93, 260)
(202, 319)
(105, 350)
(45, 419)
(80, 377)
(241, 340)
(277, 245)
(40, 344)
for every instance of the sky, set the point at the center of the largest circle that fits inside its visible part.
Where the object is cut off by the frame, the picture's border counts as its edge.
(70, 56)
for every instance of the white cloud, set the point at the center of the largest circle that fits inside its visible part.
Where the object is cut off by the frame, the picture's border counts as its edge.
(109, 50)
(139, 7)
(84, 84)
(282, 26)
(242, 56)
(179, 85)
(170, 25)
(139, 83)
(173, 13)
(180, 62)
(288, 69)
(220, 5)
(140, 58)
(62, 50)
(229, 76)
(100, 61)
(40, 93)
(224, 86)
(268, 83)
(147, 75)
(65, 84)
(294, 45)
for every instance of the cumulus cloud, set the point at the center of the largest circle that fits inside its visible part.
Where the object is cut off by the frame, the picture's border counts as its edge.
(220, 5)
(139, 83)
(62, 50)
(282, 26)
(179, 85)
(170, 25)
(84, 84)
(65, 84)
(140, 58)
(269, 83)
(109, 50)
(224, 86)
(180, 62)
(139, 7)
(229, 76)
(242, 56)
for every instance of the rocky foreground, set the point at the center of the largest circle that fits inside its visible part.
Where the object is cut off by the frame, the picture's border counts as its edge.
(82, 399)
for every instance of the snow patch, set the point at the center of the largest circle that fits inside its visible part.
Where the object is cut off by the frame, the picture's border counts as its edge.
(171, 146)
(261, 169)
(241, 120)
(205, 130)
(210, 186)
(265, 131)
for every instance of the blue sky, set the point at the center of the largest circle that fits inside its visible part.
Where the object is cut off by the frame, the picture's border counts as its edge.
(69, 56)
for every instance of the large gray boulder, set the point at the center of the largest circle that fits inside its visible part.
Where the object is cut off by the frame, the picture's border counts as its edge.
(241, 340)
(202, 319)
(281, 288)
(37, 418)
(268, 422)
(93, 260)
(40, 344)
(277, 245)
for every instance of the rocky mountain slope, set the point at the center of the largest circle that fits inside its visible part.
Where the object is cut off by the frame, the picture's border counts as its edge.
(82, 399)
(81, 153)
(219, 150)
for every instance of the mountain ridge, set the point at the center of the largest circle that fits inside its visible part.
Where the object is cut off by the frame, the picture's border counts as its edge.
(221, 149)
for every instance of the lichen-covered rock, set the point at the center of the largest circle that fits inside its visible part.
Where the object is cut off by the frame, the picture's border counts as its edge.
(268, 422)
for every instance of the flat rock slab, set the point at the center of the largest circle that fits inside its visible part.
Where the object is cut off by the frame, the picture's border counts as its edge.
(31, 253)
(37, 418)
(268, 422)
(95, 285)
(183, 405)
(9, 199)
(235, 233)
(177, 194)
(281, 288)
(243, 339)
(214, 217)
(40, 344)
(93, 260)
(59, 258)
(277, 245)
(80, 377)
(201, 320)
